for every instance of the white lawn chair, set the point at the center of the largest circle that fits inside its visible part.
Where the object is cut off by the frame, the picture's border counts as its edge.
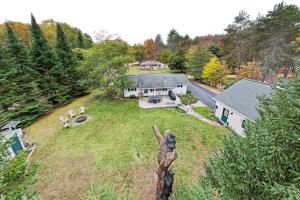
(81, 110)
(63, 119)
(71, 113)
(66, 125)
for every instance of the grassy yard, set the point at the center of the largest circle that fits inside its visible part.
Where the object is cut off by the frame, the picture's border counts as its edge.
(205, 112)
(116, 148)
(136, 70)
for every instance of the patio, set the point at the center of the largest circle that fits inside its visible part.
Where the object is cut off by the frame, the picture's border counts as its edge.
(164, 102)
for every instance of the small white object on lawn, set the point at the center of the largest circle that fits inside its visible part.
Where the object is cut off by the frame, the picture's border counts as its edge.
(81, 110)
(71, 113)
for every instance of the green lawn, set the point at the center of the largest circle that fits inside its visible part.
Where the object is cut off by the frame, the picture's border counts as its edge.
(116, 148)
(205, 112)
(136, 70)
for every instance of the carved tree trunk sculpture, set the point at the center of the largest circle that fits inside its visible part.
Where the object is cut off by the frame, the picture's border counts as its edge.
(166, 156)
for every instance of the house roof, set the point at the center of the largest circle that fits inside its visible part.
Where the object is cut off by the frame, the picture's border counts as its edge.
(157, 80)
(11, 124)
(242, 97)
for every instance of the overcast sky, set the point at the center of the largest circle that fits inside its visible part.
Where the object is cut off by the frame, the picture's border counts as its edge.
(137, 20)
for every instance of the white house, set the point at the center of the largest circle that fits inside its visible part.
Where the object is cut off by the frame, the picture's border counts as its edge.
(10, 132)
(239, 103)
(156, 84)
(152, 65)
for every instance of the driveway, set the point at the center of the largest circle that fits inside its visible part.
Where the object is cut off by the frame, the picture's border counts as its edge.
(204, 95)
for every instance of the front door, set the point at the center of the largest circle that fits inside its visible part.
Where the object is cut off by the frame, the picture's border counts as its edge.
(225, 114)
(16, 145)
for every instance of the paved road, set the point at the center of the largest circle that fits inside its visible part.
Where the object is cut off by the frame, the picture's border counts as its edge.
(204, 95)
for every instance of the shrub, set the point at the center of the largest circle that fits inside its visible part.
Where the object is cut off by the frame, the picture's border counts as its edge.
(189, 98)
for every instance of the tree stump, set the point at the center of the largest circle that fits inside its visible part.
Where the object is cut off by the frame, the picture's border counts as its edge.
(165, 157)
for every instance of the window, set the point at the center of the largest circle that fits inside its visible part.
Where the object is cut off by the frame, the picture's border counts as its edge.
(131, 89)
(151, 90)
(179, 86)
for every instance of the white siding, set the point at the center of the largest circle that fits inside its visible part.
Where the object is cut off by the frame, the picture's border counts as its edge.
(234, 120)
(177, 90)
(180, 90)
(129, 93)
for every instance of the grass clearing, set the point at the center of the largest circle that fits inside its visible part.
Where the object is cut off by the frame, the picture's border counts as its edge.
(205, 112)
(117, 148)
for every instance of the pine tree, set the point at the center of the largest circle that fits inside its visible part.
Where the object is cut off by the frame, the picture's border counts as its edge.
(65, 72)
(80, 41)
(22, 98)
(43, 60)
(63, 51)
(265, 164)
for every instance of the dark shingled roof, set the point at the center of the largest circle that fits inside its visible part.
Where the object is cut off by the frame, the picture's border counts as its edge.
(242, 97)
(157, 80)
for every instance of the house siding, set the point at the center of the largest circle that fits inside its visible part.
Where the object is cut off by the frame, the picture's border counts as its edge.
(234, 120)
(177, 90)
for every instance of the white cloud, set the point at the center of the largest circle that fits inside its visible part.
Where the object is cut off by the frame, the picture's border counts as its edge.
(137, 20)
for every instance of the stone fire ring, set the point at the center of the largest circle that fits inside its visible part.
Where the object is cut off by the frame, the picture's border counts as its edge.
(81, 120)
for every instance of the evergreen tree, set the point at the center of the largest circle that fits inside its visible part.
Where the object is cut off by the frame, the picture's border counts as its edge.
(265, 164)
(43, 60)
(63, 51)
(80, 41)
(65, 71)
(22, 98)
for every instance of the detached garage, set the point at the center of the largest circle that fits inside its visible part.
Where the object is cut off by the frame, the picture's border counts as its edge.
(239, 103)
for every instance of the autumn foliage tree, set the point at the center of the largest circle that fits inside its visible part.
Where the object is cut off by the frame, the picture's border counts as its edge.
(251, 70)
(215, 72)
(150, 49)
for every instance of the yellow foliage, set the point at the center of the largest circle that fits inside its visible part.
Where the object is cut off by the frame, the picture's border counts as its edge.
(215, 72)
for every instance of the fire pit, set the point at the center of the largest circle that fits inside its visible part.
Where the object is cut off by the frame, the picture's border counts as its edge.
(80, 120)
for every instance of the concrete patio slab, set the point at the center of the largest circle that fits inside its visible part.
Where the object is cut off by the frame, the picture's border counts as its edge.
(165, 102)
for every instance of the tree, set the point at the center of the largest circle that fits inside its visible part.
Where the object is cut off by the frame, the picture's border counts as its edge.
(237, 40)
(215, 50)
(165, 55)
(107, 63)
(250, 71)
(214, 72)
(178, 61)
(279, 28)
(174, 41)
(150, 49)
(159, 45)
(138, 52)
(80, 41)
(265, 164)
(20, 95)
(197, 58)
(43, 60)
(88, 41)
(186, 43)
